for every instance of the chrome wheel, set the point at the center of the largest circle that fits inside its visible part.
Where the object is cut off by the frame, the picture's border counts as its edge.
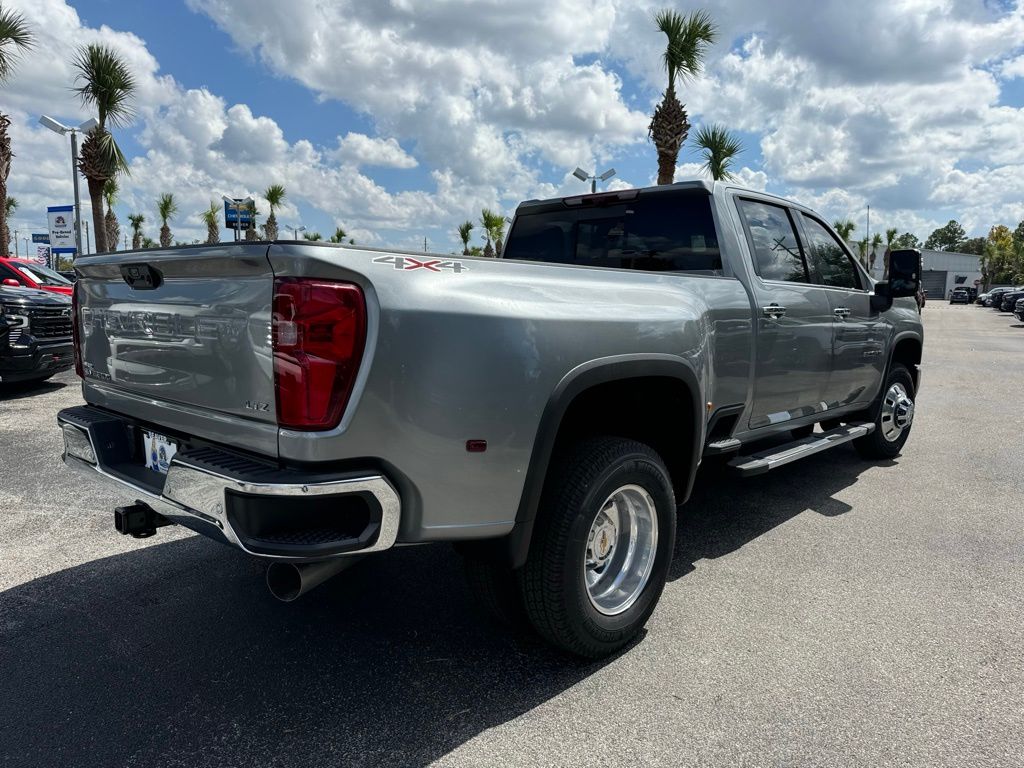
(897, 412)
(621, 547)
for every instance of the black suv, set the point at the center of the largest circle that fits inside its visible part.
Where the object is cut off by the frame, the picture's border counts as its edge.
(1009, 299)
(35, 334)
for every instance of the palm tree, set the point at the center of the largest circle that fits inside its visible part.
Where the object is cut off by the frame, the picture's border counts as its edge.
(166, 209)
(110, 224)
(689, 38)
(314, 236)
(719, 148)
(212, 221)
(493, 225)
(890, 238)
(465, 230)
(339, 235)
(862, 249)
(136, 220)
(107, 84)
(251, 234)
(844, 227)
(148, 242)
(275, 196)
(15, 38)
(876, 241)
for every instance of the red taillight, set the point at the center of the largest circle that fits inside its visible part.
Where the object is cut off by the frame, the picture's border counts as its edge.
(76, 334)
(319, 331)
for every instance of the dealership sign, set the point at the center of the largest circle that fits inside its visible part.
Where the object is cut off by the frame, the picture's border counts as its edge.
(61, 219)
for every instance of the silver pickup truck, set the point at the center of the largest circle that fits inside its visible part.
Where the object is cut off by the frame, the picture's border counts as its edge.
(546, 411)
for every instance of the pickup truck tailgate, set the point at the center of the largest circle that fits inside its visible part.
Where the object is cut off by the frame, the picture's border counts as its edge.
(195, 348)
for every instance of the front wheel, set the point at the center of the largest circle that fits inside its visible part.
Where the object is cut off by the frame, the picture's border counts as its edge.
(602, 547)
(894, 417)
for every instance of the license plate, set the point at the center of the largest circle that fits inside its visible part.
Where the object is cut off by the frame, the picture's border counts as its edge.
(159, 451)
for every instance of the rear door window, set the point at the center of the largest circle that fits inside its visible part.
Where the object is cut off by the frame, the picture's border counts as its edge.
(671, 232)
(772, 237)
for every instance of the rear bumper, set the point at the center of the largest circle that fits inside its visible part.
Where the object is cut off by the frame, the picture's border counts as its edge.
(265, 511)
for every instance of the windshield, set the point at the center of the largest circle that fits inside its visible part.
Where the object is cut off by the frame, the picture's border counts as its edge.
(41, 275)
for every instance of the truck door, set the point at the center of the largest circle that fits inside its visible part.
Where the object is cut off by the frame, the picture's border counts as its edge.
(858, 332)
(793, 323)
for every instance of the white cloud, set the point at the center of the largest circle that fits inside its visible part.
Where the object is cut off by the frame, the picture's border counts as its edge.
(359, 149)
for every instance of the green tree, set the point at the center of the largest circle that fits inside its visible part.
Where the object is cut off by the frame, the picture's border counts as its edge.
(862, 249)
(844, 227)
(1018, 234)
(947, 238)
(211, 218)
(876, 242)
(975, 245)
(905, 241)
(890, 240)
(493, 225)
(148, 242)
(252, 233)
(110, 223)
(339, 235)
(275, 196)
(136, 220)
(104, 82)
(465, 230)
(167, 209)
(719, 148)
(16, 38)
(688, 39)
(312, 236)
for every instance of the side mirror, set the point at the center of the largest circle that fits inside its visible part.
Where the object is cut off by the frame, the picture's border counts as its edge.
(10, 282)
(904, 273)
(904, 279)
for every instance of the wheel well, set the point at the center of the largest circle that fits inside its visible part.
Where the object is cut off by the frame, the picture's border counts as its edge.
(908, 352)
(657, 411)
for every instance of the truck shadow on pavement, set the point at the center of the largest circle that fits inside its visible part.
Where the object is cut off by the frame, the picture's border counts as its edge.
(19, 390)
(175, 654)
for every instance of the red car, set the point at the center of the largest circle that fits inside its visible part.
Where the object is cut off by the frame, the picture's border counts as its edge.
(22, 273)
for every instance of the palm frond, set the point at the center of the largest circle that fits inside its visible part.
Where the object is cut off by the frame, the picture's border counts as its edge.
(211, 214)
(110, 191)
(274, 195)
(465, 231)
(719, 148)
(136, 220)
(689, 38)
(15, 38)
(11, 205)
(104, 81)
(167, 207)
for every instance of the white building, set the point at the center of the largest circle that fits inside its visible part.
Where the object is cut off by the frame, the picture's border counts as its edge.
(943, 270)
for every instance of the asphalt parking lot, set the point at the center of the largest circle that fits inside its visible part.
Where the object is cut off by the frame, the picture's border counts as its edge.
(832, 613)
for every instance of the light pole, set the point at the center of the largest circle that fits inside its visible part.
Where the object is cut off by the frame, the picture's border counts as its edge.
(295, 231)
(60, 128)
(582, 175)
(17, 253)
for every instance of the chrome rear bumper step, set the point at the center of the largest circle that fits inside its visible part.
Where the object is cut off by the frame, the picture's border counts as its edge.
(780, 455)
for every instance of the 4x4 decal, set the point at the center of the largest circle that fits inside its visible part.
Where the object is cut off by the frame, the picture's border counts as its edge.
(408, 263)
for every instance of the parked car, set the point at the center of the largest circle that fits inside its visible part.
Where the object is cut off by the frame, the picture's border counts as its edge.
(995, 297)
(35, 334)
(960, 296)
(15, 273)
(1018, 310)
(1009, 299)
(546, 411)
(982, 298)
(68, 274)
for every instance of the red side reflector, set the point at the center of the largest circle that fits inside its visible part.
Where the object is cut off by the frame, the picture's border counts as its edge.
(76, 334)
(476, 446)
(319, 331)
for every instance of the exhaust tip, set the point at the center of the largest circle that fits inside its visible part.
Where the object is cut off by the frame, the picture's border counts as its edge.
(284, 580)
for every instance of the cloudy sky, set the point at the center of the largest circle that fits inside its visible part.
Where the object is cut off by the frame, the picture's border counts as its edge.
(397, 119)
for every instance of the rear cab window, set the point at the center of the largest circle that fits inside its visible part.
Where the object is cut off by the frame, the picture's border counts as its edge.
(655, 232)
(830, 263)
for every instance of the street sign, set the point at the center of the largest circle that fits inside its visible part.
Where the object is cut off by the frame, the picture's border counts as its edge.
(238, 214)
(61, 219)
(42, 237)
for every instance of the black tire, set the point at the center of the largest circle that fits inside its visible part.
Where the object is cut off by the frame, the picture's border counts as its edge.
(875, 445)
(553, 581)
(496, 589)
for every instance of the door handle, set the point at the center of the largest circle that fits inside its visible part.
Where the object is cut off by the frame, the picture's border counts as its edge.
(774, 311)
(841, 313)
